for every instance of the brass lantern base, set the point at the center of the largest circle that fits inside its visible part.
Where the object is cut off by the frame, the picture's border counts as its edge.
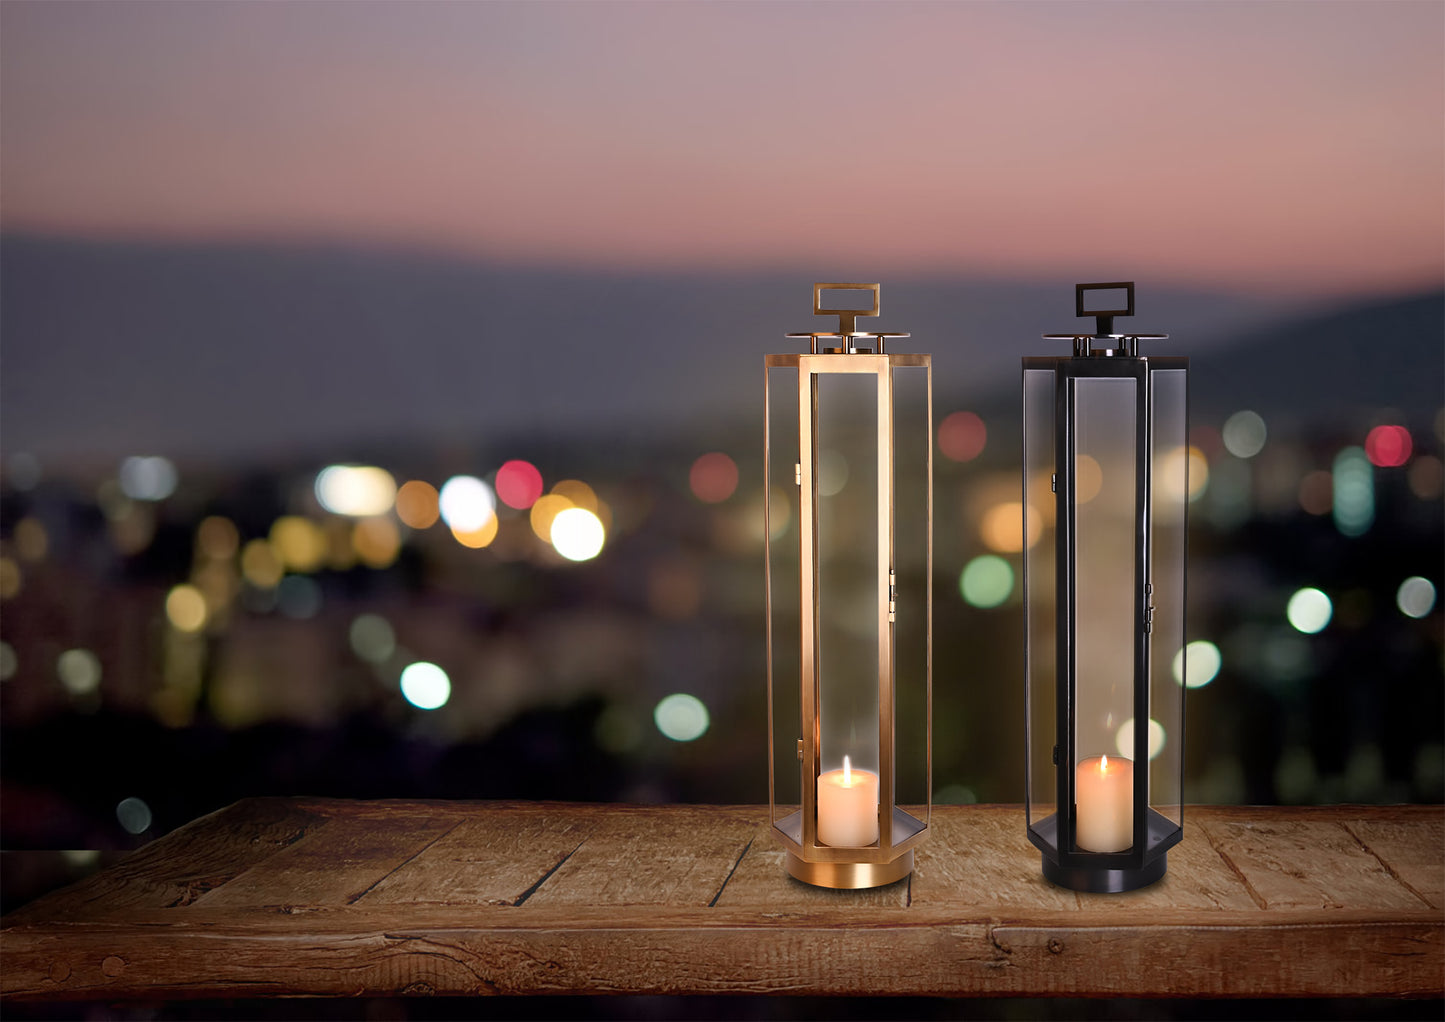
(851, 876)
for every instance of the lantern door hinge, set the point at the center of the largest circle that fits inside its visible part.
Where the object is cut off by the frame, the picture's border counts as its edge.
(800, 750)
(1148, 607)
(1056, 755)
(1053, 482)
(798, 473)
(892, 594)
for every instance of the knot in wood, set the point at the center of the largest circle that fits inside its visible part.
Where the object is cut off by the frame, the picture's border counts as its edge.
(113, 966)
(59, 971)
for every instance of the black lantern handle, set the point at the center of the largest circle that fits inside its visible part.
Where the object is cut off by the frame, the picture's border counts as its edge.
(1104, 318)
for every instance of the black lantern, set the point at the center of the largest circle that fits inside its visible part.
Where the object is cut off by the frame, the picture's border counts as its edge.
(1106, 488)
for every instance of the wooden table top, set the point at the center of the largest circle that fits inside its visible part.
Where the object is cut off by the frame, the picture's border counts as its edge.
(333, 898)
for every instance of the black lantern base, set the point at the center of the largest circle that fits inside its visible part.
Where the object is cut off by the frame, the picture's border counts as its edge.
(1105, 881)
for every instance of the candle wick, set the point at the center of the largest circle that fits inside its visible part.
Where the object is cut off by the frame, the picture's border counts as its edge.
(1103, 763)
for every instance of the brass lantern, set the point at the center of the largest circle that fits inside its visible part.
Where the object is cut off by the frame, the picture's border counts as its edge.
(1106, 478)
(848, 462)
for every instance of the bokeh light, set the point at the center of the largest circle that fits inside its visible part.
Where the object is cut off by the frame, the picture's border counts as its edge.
(1388, 446)
(260, 565)
(1197, 664)
(1186, 465)
(578, 494)
(544, 512)
(1317, 492)
(681, 717)
(1354, 492)
(1244, 434)
(372, 638)
(79, 671)
(1124, 738)
(31, 540)
(962, 436)
(713, 477)
(1003, 527)
(1309, 610)
(218, 538)
(986, 581)
(425, 685)
(299, 542)
(577, 534)
(9, 662)
(134, 815)
(417, 504)
(377, 541)
(358, 491)
(1088, 479)
(11, 578)
(186, 608)
(833, 471)
(298, 597)
(466, 503)
(1426, 476)
(476, 539)
(152, 478)
(1415, 597)
(519, 484)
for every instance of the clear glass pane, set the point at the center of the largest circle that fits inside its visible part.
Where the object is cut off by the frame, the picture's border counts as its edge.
(1040, 582)
(1168, 500)
(1104, 611)
(849, 596)
(912, 439)
(784, 626)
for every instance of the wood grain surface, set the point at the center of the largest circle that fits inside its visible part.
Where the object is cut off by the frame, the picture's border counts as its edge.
(319, 897)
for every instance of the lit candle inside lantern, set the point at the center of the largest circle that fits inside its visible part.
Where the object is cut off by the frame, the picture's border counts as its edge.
(1104, 797)
(847, 807)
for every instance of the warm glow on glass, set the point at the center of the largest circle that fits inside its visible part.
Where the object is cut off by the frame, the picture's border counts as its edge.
(1002, 528)
(300, 543)
(355, 490)
(1088, 479)
(713, 478)
(962, 436)
(832, 472)
(376, 541)
(186, 608)
(1124, 739)
(519, 484)
(417, 504)
(577, 534)
(1171, 472)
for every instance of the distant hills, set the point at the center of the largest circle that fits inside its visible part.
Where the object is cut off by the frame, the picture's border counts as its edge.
(249, 353)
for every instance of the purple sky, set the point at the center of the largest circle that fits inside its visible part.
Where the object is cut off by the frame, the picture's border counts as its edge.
(1288, 147)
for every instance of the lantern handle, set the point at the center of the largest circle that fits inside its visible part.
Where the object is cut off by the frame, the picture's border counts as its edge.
(847, 318)
(1104, 321)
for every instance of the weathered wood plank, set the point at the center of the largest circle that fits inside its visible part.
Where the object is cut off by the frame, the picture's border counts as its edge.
(982, 857)
(1413, 853)
(1288, 863)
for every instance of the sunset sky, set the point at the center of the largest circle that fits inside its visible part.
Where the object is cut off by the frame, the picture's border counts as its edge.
(1290, 147)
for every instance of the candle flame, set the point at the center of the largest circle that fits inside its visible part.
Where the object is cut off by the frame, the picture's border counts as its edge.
(1103, 763)
(847, 773)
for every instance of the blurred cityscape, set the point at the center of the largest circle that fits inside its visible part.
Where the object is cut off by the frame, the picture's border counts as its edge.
(579, 614)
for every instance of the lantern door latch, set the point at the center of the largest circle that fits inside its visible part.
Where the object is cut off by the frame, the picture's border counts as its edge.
(798, 473)
(892, 594)
(800, 750)
(1148, 607)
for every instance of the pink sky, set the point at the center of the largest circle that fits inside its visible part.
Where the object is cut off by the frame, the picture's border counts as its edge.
(1296, 146)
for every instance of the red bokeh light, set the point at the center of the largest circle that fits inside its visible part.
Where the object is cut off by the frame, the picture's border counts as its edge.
(1388, 446)
(519, 484)
(962, 436)
(713, 478)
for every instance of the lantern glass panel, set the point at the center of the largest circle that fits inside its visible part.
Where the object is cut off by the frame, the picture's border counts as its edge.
(848, 592)
(784, 628)
(1103, 473)
(1168, 500)
(912, 443)
(1040, 583)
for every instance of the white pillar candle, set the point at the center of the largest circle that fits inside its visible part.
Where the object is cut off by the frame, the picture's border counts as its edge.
(847, 807)
(1104, 798)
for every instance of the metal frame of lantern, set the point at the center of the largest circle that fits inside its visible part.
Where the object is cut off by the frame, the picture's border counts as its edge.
(1116, 575)
(890, 857)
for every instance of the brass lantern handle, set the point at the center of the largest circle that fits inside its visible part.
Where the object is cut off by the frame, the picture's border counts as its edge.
(847, 318)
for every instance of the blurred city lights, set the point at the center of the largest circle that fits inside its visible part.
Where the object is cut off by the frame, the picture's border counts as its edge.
(1244, 434)
(544, 512)
(134, 815)
(372, 638)
(186, 608)
(1354, 492)
(298, 597)
(358, 491)
(1184, 467)
(1201, 660)
(1317, 492)
(578, 494)
(9, 663)
(681, 717)
(260, 565)
(1002, 527)
(1124, 738)
(478, 538)
(417, 504)
(1415, 597)
(31, 540)
(577, 534)
(1088, 479)
(377, 541)
(986, 581)
(962, 436)
(10, 578)
(151, 478)
(1309, 610)
(217, 538)
(466, 503)
(832, 472)
(519, 484)
(1388, 446)
(1426, 475)
(79, 671)
(299, 542)
(426, 686)
(713, 478)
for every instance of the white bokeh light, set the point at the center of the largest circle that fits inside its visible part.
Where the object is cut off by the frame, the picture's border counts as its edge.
(359, 491)
(466, 503)
(681, 717)
(426, 686)
(578, 534)
(1309, 611)
(1201, 660)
